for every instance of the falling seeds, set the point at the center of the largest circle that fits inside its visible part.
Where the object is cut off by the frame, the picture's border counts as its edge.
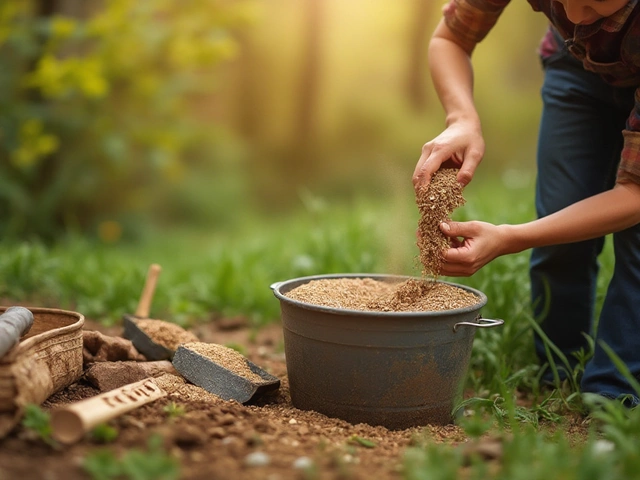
(436, 203)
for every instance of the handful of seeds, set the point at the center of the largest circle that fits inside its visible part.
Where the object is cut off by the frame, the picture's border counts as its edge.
(436, 202)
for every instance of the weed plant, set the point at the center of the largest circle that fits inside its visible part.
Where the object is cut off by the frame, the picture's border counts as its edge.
(39, 422)
(153, 463)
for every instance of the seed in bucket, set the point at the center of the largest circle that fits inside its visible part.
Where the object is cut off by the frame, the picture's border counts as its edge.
(368, 294)
(436, 203)
(167, 334)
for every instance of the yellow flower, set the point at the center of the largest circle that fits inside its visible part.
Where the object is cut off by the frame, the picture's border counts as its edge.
(62, 27)
(109, 231)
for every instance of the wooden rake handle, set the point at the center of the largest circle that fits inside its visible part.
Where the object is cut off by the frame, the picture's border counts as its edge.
(144, 305)
(69, 423)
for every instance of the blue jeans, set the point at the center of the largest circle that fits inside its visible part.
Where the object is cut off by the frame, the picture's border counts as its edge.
(579, 147)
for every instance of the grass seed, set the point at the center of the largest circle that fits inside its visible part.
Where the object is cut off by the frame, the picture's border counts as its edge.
(367, 294)
(436, 203)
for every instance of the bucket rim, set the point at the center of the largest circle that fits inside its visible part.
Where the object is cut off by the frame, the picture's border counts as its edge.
(295, 282)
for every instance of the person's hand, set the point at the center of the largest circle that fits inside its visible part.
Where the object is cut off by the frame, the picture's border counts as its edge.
(461, 146)
(474, 244)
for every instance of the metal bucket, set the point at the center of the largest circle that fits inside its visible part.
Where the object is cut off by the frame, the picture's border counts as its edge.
(395, 369)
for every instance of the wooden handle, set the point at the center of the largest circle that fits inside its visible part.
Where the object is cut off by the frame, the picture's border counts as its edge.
(70, 422)
(147, 293)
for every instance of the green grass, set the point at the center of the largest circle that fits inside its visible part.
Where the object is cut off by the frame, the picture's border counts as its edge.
(204, 273)
(150, 464)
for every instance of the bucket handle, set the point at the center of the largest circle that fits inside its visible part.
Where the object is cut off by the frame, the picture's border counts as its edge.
(482, 323)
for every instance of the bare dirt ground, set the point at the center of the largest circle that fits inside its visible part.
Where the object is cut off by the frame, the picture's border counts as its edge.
(219, 439)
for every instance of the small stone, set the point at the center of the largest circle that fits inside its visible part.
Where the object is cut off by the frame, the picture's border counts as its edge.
(302, 463)
(257, 459)
(601, 447)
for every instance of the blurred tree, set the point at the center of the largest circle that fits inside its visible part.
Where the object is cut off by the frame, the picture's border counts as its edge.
(417, 67)
(304, 155)
(95, 103)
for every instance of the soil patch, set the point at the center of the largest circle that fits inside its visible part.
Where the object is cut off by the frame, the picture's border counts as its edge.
(216, 439)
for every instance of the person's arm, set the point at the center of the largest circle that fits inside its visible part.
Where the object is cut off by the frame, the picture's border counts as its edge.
(462, 142)
(480, 242)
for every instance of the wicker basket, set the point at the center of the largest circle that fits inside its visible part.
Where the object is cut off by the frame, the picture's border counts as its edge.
(47, 359)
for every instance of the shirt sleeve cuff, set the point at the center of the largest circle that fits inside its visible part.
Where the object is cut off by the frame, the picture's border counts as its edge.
(629, 169)
(469, 22)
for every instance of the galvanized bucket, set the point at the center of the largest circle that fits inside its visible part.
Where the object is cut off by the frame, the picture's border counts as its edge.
(395, 369)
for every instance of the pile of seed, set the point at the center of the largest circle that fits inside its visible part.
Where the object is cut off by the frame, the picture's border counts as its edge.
(367, 294)
(436, 202)
(167, 334)
(226, 357)
(424, 296)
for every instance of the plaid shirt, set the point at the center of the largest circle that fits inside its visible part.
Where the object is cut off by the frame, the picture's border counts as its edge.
(610, 47)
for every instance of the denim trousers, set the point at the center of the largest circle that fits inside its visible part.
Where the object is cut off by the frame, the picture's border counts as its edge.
(579, 147)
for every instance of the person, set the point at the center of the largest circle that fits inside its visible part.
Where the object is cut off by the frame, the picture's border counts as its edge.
(588, 173)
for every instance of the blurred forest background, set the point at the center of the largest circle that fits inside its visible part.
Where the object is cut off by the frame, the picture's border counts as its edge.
(118, 116)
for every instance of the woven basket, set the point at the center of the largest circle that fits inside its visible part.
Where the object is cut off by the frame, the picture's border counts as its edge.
(47, 359)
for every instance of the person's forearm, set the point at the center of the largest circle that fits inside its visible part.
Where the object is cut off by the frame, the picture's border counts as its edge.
(452, 75)
(602, 214)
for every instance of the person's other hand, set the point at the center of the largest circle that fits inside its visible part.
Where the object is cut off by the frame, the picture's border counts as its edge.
(461, 146)
(474, 244)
